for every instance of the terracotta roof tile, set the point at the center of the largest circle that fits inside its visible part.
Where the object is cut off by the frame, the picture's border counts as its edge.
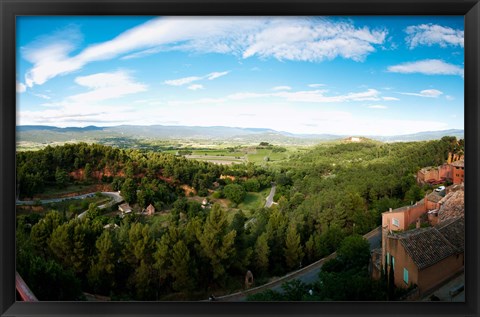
(427, 246)
(434, 197)
(454, 230)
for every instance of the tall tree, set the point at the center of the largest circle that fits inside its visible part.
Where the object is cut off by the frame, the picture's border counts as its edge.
(183, 280)
(101, 272)
(293, 249)
(262, 252)
(217, 243)
(129, 191)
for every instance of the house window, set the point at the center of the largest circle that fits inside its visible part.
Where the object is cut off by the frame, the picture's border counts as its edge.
(388, 258)
(405, 275)
(395, 222)
(393, 262)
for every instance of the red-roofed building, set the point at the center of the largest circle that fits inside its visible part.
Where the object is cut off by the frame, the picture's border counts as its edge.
(426, 257)
(458, 171)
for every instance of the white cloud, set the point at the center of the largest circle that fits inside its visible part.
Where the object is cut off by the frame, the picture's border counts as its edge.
(429, 93)
(316, 85)
(282, 88)
(215, 75)
(182, 81)
(427, 67)
(105, 86)
(313, 40)
(195, 87)
(390, 98)
(377, 107)
(21, 87)
(89, 108)
(319, 96)
(299, 39)
(188, 80)
(313, 96)
(450, 98)
(43, 96)
(430, 34)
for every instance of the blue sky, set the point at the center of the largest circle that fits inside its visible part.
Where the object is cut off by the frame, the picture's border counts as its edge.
(341, 75)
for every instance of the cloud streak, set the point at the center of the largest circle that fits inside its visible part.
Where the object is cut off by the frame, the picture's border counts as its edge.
(433, 34)
(428, 93)
(427, 67)
(191, 79)
(277, 88)
(296, 39)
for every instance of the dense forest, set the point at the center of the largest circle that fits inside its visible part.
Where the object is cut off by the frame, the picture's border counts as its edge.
(325, 196)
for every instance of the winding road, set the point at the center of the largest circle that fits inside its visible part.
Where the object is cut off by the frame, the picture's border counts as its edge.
(269, 201)
(114, 195)
(307, 274)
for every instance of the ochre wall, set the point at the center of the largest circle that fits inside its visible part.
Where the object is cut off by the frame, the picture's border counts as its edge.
(458, 175)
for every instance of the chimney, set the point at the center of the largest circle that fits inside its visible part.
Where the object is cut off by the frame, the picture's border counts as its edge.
(390, 210)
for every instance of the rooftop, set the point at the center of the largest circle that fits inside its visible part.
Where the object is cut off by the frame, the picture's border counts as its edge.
(427, 246)
(454, 230)
(434, 197)
(405, 208)
(459, 163)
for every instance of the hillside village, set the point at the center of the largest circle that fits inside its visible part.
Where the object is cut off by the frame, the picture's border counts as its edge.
(422, 244)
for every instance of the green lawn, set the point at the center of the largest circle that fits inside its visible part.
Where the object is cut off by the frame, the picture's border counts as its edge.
(254, 201)
(217, 152)
(259, 156)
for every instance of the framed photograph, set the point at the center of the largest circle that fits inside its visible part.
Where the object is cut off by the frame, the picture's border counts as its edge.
(241, 158)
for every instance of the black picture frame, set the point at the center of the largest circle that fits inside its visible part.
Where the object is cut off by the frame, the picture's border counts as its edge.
(12, 8)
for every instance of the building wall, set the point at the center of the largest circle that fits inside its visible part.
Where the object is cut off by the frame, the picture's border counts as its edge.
(445, 171)
(435, 275)
(458, 175)
(432, 174)
(435, 173)
(425, 279)
(401, 261)
(404, 215)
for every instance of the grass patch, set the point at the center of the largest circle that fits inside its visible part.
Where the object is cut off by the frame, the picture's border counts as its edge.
(254, 201)
(55, 192)
(71, 206)
(260, 154)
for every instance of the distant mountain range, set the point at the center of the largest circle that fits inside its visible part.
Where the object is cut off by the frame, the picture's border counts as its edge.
(49, 134)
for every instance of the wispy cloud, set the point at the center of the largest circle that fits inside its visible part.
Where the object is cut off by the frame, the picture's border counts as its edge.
(313, 96)
(427, 67)
(182, 81)
(431, 34)
(282, 88)
(215, 75)
(21, 87)
(188, 80)
(429, 93)
(105, 86)
(195, 87)
(316, 85)
(298, 39)
(91, 107)
(390, 99)
(450, 98)
(313, 40)
(42, 96)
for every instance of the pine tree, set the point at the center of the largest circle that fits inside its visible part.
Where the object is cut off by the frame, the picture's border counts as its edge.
(180, 269)
(262, 252)
(293, 249)
(217, 244)
(101, 272)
